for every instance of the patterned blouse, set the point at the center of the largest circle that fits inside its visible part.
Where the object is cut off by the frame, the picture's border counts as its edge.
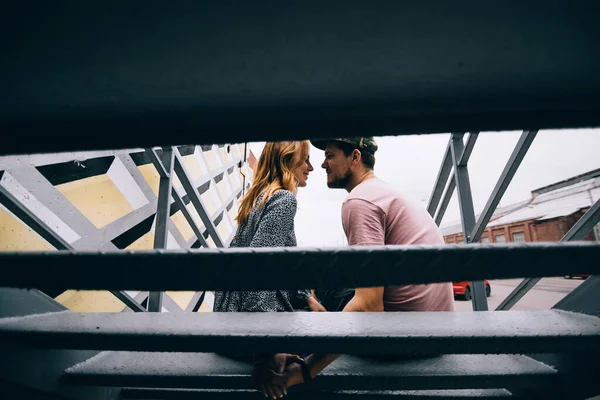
(269, 226)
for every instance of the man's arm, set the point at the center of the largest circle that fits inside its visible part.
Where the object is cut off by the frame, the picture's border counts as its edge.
(364, 224)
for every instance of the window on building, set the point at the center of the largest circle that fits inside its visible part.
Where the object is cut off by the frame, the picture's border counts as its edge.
(518, 237)
(485, 239)
(499, 239)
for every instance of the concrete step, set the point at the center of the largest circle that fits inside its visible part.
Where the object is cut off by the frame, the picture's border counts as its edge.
(183, 394)
(213, 371)
(434, 333)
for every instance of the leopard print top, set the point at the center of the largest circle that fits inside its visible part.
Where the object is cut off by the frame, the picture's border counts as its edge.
(269, 226)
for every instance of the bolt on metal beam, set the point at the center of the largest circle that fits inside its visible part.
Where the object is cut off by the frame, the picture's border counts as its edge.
(505, 178)
(577, 232)
(465, 201)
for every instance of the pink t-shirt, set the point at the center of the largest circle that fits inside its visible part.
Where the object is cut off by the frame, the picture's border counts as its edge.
(376, 214)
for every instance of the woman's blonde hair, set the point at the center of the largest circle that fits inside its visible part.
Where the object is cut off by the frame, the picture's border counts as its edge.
(274, 171)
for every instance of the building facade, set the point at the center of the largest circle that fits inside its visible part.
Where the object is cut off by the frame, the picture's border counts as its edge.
(546, 217)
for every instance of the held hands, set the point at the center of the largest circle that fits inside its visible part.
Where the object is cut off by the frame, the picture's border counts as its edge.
(273, 375)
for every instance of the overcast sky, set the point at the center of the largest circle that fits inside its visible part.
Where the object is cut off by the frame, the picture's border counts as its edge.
(411, 163)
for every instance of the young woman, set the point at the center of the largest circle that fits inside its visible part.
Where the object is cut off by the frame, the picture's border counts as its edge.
(266, 219)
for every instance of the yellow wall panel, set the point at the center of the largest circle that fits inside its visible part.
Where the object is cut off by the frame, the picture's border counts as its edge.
(211, 160)
(182, 225)
(97, 198)
(151, 176)
(195, 215)
(223, 229)
(210, 202)
(181, 298)
(145, 242)
(204, 308)
(90, 301)
(192, 167)
(224, 189)
(16, 236)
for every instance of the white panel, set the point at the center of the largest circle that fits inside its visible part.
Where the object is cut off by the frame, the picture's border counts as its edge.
(126, 184)
(172, 243)
(209, 299)
(36, 207)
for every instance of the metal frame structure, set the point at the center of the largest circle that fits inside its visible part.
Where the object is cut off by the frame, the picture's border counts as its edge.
(456, 158)
(276, 72)
(162, 206)
(194, 270)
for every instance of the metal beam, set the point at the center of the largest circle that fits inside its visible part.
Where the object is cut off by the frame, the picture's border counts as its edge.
(177, 198)
(585, 224)
(439, 216)
(40, 227)
(507, 174)
(577, 232)
(426, 333)
(195, 199)
(466, 154)
(33, 221)
(163, 207)
(440, 181)
(464, 159)
(465, 201)
(196, 302)
(128, 301)
(155, 159)
(294, 268)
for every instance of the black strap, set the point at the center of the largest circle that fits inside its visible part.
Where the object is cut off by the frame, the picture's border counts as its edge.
(305, 372)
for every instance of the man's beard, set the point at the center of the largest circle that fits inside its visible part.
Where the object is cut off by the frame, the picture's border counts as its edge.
(341, 183)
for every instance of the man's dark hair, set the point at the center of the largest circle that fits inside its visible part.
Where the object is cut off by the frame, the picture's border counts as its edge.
(368, 159)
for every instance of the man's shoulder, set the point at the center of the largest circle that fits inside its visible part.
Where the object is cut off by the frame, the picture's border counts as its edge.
(371, 190)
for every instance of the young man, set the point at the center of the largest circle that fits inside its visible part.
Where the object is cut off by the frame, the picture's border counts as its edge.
(374, 213)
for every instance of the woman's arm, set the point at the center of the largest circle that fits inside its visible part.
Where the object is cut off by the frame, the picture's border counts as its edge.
(277, 220)
(274, 228)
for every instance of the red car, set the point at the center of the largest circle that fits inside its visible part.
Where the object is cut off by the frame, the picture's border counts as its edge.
(582, 276)
(463, 289)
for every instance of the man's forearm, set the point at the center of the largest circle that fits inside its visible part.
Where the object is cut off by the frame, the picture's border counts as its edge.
(364, 300)
(317, 362)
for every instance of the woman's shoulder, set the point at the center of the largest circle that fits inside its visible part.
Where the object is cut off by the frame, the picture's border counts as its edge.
(282, 198)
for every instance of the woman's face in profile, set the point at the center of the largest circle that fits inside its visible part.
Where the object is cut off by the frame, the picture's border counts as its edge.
(301, 172)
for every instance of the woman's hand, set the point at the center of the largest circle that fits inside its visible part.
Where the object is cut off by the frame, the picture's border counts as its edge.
(314, 305)
(270, 374)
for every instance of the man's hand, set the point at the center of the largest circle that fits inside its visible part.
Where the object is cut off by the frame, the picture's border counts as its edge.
(291, 376)
(314, 305)
(267, 369)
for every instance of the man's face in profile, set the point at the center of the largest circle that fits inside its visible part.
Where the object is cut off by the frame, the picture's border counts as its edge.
(337, 166)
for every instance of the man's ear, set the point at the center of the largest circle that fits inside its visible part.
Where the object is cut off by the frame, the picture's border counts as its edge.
(356, 156)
